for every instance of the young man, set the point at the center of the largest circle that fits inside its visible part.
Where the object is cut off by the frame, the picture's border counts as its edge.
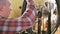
(13, 26)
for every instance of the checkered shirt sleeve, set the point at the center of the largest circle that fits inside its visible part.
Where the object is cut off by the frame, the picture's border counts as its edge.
(13, 26)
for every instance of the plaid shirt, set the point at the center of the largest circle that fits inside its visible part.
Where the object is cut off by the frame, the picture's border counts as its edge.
(12, 26)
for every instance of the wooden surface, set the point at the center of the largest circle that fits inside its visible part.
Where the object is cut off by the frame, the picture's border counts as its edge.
(58, 31)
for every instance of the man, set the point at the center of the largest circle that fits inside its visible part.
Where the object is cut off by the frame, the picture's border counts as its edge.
(4, 8)
(13, 26)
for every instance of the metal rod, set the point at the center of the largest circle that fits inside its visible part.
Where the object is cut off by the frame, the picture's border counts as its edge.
(58, 7)
(39, 20)
(49, 24)
(49, 21)
(24, 6)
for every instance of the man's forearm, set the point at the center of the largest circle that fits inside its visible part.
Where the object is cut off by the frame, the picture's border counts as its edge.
(22, 23)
